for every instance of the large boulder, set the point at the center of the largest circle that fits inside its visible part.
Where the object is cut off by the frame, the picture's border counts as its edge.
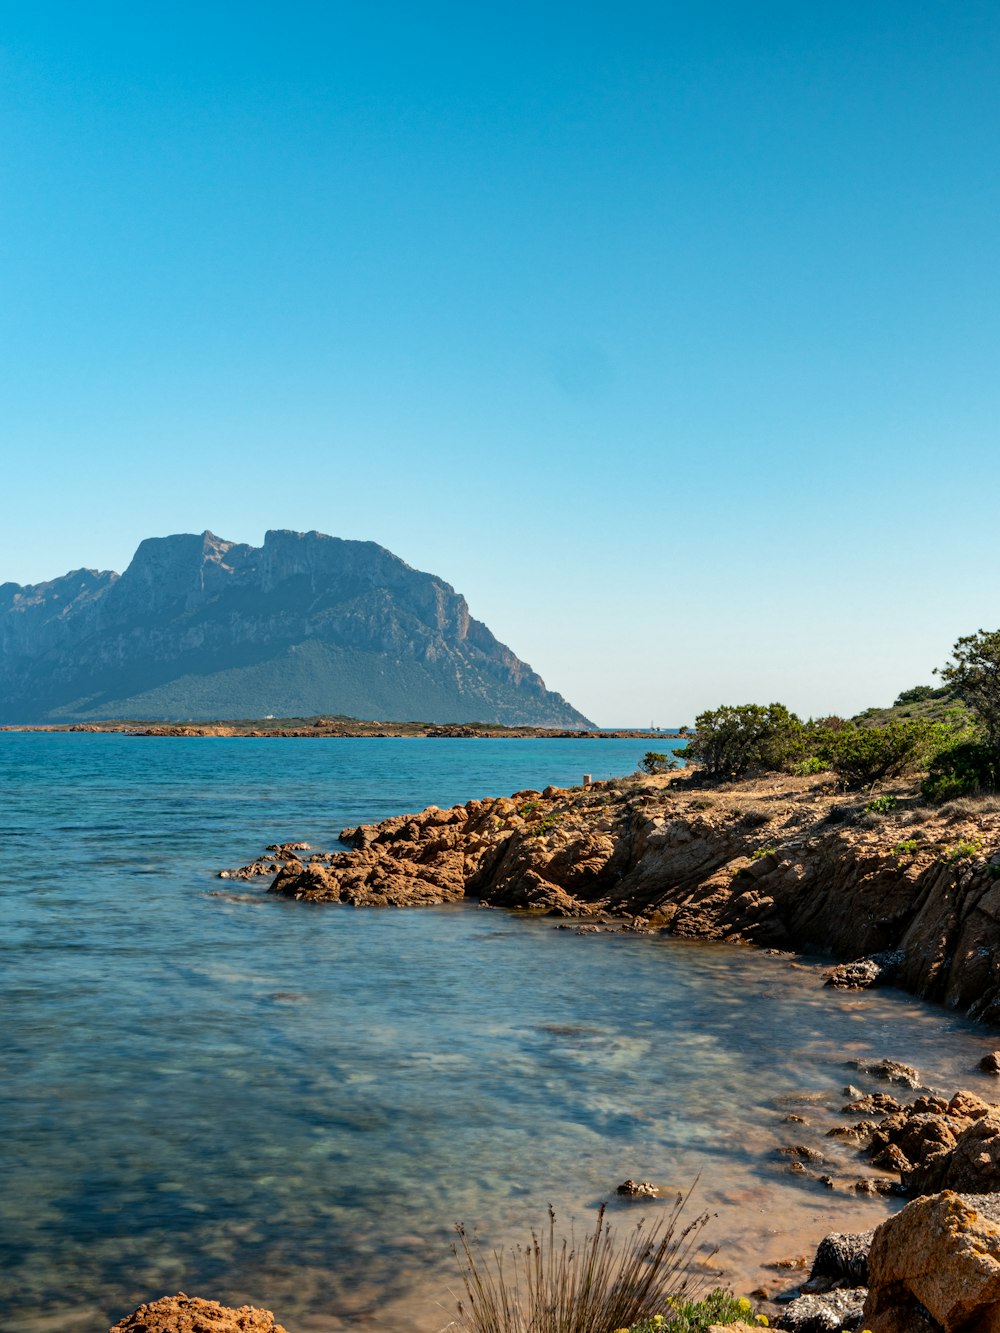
(971, 1166)
(935, 1267)
(190, 1314)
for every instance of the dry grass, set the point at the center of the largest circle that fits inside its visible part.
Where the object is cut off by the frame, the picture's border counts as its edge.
(555, 1285)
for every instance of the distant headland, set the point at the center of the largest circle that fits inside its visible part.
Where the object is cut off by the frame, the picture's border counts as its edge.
(318, 727)
(199, 628)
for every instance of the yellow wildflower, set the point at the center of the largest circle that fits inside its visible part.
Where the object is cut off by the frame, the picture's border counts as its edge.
(657, 1319)
(743, 1303)
(763, 1319)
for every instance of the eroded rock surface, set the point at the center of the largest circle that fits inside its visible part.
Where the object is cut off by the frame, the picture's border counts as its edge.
(782, 863)
(936, 1144)
(190, 1314)
(935, 1268)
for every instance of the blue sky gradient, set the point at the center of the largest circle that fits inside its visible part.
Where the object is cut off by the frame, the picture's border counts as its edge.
(666, 333)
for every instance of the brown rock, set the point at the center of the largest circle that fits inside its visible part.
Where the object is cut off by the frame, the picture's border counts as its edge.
(971, 1166)
(637, 1189)
(873, 1101)
(891, 1071)
(189, 1314)
(938, 1257)
(970, 1106)
(892, 1158)
(990, 1064)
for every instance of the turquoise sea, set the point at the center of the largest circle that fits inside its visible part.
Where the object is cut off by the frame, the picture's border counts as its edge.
(206, 1089)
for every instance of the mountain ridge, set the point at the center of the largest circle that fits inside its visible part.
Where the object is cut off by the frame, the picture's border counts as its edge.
(199, 627)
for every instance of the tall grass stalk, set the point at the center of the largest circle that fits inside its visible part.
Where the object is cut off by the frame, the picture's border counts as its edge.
(555, 1285)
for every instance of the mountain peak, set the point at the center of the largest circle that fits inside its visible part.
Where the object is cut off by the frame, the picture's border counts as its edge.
(199, 626)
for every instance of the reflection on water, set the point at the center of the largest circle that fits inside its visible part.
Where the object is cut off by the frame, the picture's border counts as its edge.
(260, 1100)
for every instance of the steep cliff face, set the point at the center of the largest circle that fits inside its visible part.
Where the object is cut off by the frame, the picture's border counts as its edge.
(198, 627)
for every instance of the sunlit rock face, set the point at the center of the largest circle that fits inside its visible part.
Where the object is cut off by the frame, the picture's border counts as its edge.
(198, 627)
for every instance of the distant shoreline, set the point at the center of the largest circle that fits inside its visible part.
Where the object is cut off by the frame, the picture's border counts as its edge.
(332, 728)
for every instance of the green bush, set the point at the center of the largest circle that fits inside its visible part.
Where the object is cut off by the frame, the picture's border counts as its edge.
(881, 805)
(805, 768)
(905, 848)
(962, 770)
(718, 1307)
(734, 740)
(862, 756)
(966, 849)
(921, 694)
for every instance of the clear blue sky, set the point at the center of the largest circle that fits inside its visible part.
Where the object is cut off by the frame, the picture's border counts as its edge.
(667, 333)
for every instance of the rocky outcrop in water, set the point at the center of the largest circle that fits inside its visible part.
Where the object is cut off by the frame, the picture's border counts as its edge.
(190, 1314)
(199, 627)
(785, 863)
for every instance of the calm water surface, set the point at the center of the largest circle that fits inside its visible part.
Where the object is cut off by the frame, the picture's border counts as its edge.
(205, 1089)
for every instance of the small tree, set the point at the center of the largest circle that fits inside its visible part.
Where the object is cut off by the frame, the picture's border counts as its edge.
(737, 739)
(654, 762)
(974, 675)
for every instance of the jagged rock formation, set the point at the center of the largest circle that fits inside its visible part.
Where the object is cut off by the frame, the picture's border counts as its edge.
(198, 627)
(783, 862)
(191, 1314)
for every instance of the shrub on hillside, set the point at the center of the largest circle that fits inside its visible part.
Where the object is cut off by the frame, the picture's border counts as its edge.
(734, 740)
(921, 694)
(962, 770)
(863, 756)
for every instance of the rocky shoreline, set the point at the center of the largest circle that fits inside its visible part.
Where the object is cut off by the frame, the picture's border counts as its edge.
(894, 891)
(891, 890)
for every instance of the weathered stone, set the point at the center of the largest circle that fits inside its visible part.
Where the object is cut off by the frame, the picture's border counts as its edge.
(938, 1260)
(843, 1255)
(637, 1189)
(190, 1314)
(828, 1313)
(872, 1102)
(990, 1064)
(972, 1166)
(890, 1071)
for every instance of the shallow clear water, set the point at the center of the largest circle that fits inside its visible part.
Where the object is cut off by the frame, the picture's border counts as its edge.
(207, 1089)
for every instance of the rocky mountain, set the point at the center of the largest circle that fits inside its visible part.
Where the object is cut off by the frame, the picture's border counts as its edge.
(198, 627)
